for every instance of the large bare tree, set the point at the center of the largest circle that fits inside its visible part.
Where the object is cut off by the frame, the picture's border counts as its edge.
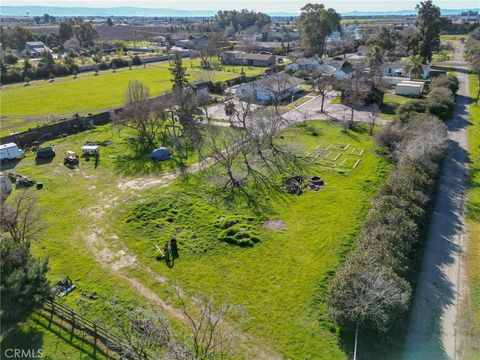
(147, 118)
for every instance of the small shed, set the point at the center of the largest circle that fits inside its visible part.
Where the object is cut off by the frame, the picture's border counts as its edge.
(160, 154)
(90, 149)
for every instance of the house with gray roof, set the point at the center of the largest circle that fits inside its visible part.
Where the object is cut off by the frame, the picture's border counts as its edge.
(36, 48)
(269, 89)
(247, 59)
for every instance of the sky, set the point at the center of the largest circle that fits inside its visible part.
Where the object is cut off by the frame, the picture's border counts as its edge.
(262, 5)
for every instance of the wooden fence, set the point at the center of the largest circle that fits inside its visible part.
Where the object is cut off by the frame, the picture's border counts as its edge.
(103, 342)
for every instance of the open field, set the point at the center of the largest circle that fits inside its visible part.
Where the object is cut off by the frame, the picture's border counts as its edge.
(453, 37)
(90, 93)
(280, 281)
(473, 220)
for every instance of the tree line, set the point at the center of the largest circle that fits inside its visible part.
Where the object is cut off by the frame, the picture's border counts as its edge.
(373, 287)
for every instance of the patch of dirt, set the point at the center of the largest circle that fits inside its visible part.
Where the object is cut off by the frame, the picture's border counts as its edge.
(275, 225)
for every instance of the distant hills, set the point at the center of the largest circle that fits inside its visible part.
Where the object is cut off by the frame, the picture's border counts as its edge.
(163, 12)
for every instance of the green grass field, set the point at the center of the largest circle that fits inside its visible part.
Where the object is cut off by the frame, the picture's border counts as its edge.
(391, 102)
(473, 218)
(90, 93)
(281, 280)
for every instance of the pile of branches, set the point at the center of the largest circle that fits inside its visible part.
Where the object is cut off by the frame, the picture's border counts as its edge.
(373, 286)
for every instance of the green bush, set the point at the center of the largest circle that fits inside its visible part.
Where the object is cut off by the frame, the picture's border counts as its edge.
(445, 81)
(136, 61)
(413, 106)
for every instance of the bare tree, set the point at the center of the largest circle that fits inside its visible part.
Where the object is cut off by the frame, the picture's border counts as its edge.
(355, 91)
(147, 118)
(20, 218)
(373, 114)
(254, 152)
(148, 331)
(323, 85)
(211, 337)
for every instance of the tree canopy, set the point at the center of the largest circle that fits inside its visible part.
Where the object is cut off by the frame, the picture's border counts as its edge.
(427, 37)
(316, 23)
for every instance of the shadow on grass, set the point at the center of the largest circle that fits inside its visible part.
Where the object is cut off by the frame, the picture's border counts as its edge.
(9, 165)
(44, 161)
(25, 338)
(389, 109)
(138, 163)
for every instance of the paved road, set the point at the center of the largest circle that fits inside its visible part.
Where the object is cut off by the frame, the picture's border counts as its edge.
(433, 328)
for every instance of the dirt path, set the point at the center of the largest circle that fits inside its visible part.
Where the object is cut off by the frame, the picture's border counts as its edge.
(433, 329)
(113, 255)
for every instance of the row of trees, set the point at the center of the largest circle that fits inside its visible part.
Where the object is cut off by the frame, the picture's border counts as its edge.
(473, 54)
(240, 20)
(372, 288)
(440, 100)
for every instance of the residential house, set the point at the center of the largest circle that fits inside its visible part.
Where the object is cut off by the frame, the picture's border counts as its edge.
(397, 69)
(252, 37)
(36, 48)
(272, 88)
(306, 64)
(247, 59)
(344, 69)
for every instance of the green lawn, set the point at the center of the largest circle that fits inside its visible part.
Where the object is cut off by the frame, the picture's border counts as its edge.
(473, 219)
(281, 280)
(89, 93)
(391, 102)
(452, 37)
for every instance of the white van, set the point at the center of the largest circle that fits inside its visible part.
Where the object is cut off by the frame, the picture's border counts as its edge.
(10, 151)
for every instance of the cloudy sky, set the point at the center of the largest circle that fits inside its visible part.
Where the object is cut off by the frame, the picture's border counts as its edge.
(264, 5)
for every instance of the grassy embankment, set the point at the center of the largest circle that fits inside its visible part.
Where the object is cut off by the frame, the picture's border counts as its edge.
(473, 222)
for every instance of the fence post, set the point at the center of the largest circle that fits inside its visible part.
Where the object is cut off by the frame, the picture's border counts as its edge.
(73, 324)
(95, 339)
(52, 305)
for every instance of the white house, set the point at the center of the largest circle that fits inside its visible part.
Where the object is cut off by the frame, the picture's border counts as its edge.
(272, 88)
(306, 64)
(344, 69)
(397, 69)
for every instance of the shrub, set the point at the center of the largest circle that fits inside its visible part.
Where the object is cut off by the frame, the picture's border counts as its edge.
(103, 65)
(445, 81)
(440, 102)
(136, 60)
(119, 63)
(413, 106)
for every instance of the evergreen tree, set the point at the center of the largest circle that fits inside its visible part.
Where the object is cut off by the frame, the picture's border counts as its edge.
(316, 23)
(179, 73)
(427, 37)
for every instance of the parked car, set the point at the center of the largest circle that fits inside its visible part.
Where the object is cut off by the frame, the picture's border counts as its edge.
(45, 152)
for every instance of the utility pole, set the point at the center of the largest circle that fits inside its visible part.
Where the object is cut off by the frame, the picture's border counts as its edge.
(356, 342)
